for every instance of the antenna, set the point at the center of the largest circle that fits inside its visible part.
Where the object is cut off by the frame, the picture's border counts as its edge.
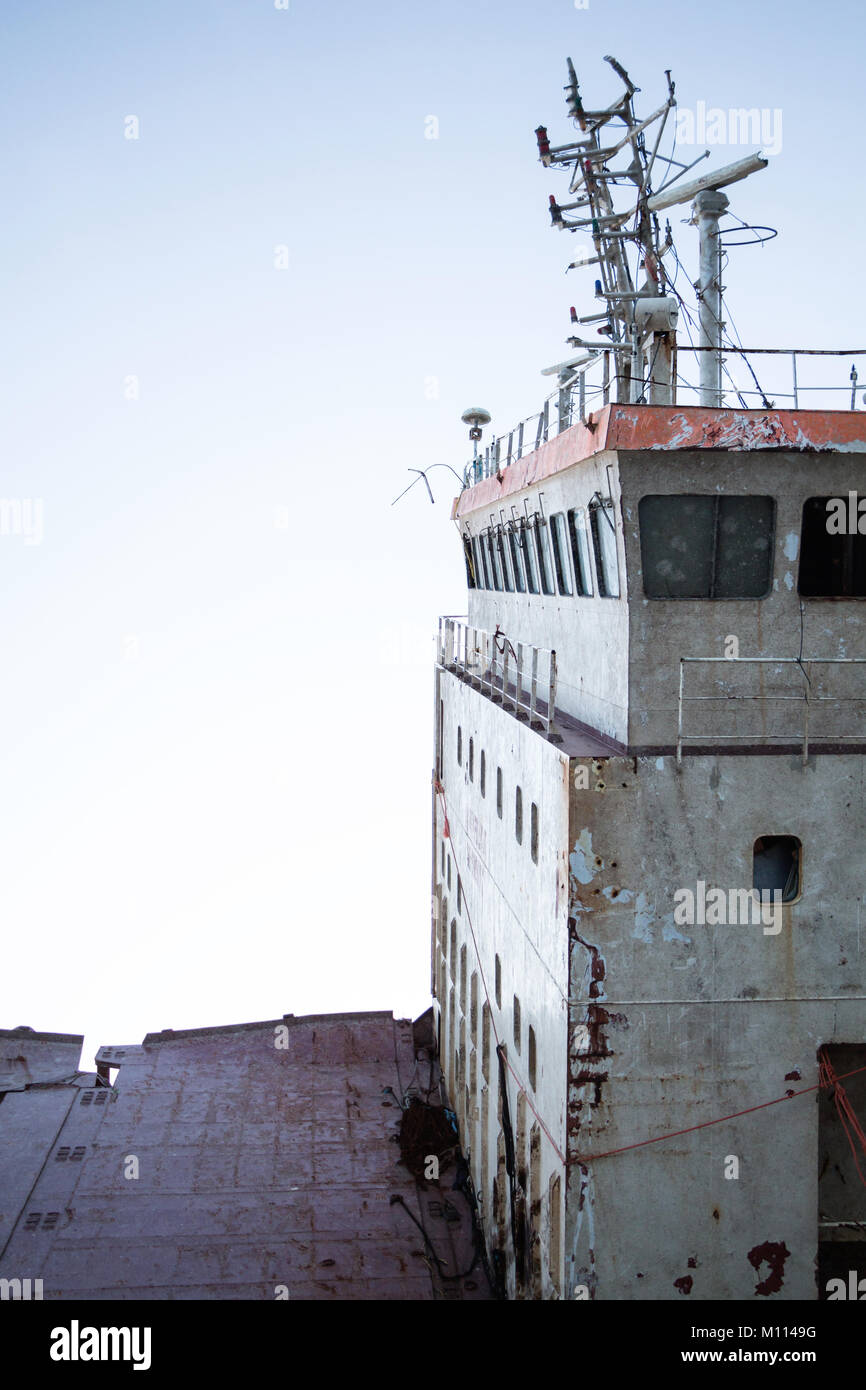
(639, 315)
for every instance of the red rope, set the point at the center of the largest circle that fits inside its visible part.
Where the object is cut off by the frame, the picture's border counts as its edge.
(844, 1108)
(828, 1078)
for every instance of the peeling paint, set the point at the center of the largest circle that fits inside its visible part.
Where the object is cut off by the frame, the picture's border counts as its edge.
(582, 859)
(774, 1253)
(791, 546)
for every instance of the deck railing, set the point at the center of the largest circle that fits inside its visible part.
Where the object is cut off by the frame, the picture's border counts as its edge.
(807, 686)
(519, 677)
(779, 378)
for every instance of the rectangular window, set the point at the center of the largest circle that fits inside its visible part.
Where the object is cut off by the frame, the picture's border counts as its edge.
(516, 1021)
(561, 563)
(516, 559)
(470, 562)
(602, 520)
(518, 815)
(493, 557)
(533, 832)
(504, 560)
(580, 551)
(776, 865)
(459, 745)
(497, 981)
(697, 545)
(471, 760)
(480, 566)
(482, 773)
(542, 544)
(531, 1059)
(528, 552)
(499, 792)
(832, 563)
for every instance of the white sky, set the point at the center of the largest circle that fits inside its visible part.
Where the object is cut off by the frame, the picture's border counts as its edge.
(217, 687)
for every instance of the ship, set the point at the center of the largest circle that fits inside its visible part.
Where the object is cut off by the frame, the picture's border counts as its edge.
(648, 815)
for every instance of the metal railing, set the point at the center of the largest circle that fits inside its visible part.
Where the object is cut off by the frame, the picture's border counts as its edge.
(807, 690)
(781, 378)
(522, 679)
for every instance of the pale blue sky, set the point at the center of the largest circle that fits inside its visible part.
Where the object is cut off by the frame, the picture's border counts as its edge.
(215, 798)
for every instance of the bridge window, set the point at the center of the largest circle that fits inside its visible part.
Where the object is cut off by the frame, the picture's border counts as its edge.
(580, 551)
(493, 557)
(516, 558)
(504, 559)
(545, 568)
(602, 521)
(560, 553)
(518, 815)
(481, 579)
(470, 562)
(697, 545)
(832, 561)
(527, 550)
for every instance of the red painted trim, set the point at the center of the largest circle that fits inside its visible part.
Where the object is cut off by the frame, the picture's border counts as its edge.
(616, 427)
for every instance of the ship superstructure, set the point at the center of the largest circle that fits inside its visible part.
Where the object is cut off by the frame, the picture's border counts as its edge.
(648, 801)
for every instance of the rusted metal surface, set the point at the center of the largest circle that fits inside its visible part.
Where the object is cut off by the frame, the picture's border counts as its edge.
(631, 427)
(268, 1166)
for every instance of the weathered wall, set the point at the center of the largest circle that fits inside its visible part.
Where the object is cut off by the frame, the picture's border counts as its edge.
(676, 1024)
(518, 910)
(663, 630)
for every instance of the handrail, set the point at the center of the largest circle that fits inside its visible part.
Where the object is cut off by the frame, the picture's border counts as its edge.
(578, 394)
(522, 679)
(806, 698)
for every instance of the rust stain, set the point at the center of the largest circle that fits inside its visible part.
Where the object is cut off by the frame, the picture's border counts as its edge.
(684, 1284)
(774, 1253)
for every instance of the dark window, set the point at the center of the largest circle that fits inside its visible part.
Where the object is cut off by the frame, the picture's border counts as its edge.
(449, 873)
(542, 544)
(499, 792)
(460, 744)
(528, 553)
(518, 814)
(706, 546)
(776, 865)
(580, 551)
(497, 982)
(483, 576)
(470, 562)
(559, 538)
(471, 760)
(516, 559)
(482, 773)
(832, 562)
(504, 559)
(517, 1023)
(531, 1057)
(603, 526)
(533, 832)
(493, 557)
(459, 894)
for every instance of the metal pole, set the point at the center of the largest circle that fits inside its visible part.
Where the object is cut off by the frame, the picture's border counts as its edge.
(708, 208)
